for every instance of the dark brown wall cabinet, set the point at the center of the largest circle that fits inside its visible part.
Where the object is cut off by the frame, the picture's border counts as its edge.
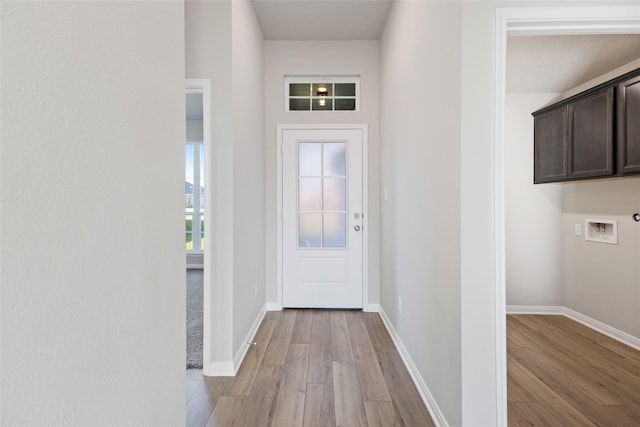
(590, 135)
(550, 148)
(629, 126)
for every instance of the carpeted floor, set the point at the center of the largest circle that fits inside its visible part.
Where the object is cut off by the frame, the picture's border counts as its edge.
(194, 318)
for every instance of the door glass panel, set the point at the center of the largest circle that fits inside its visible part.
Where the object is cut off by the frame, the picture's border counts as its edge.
(335, 158)
(334, 194)
(322, 194)
(310, 194)
(334, 230)
(310, 230)
(310, 159)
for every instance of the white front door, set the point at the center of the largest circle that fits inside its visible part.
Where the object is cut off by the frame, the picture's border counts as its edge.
(322, 218)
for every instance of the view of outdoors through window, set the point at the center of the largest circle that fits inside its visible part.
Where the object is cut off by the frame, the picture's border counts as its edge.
(194, 197)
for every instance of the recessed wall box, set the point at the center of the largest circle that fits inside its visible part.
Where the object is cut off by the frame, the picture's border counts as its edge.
(601, 230)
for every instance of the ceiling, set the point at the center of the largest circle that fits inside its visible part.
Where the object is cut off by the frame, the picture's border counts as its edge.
(321, 19)
(535, 64)
(555, 64)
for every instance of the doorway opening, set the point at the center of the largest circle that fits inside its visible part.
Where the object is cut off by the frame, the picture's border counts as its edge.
(533, 21)
(196, 218)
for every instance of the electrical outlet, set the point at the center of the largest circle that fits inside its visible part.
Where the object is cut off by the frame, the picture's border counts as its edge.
(255, 289)
(577, 229)
(400, 305)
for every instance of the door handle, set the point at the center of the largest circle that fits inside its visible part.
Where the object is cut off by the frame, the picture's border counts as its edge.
(357, 228)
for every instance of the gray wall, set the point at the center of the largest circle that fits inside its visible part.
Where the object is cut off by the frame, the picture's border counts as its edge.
(248, 170)
(420, 170)
(224, 44)
(92, 190)
(600, 280)
(208, 56)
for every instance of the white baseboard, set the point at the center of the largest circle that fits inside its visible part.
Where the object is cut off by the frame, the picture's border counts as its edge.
(371, 308)
(242, 352)
(603, 328)
(534, 309)
(589, 322)
(230, 369)
(425, 393)
(274, 306)
(219, 369)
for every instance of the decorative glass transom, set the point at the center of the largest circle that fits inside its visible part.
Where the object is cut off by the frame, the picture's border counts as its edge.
(322, 93)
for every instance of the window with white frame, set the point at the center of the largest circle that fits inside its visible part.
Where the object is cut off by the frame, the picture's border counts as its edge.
(322, 93)
(194, 174)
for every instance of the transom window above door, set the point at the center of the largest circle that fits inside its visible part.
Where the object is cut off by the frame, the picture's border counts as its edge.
(318, 93)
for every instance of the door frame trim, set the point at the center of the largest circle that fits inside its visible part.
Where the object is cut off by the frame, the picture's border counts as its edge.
(204, 86)
(363, 127)
(544, 20)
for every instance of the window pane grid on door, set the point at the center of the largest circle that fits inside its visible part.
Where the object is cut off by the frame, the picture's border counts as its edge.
(322, 185)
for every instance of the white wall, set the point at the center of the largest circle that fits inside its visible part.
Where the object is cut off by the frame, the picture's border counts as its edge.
(480, 326)
(92, 247)
(420, 169)
(248, 173)
(313, 58)
(225, 44)
(533, 213)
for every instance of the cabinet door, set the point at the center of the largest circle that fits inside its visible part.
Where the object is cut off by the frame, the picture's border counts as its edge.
(591, 135)
(550, 146)
(629, 126)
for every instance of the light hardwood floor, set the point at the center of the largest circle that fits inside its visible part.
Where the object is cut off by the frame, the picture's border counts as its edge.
(312, 368)
(562, 373)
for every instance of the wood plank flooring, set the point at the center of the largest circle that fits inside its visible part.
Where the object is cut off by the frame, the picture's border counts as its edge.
(312, 368)
(562, 373)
